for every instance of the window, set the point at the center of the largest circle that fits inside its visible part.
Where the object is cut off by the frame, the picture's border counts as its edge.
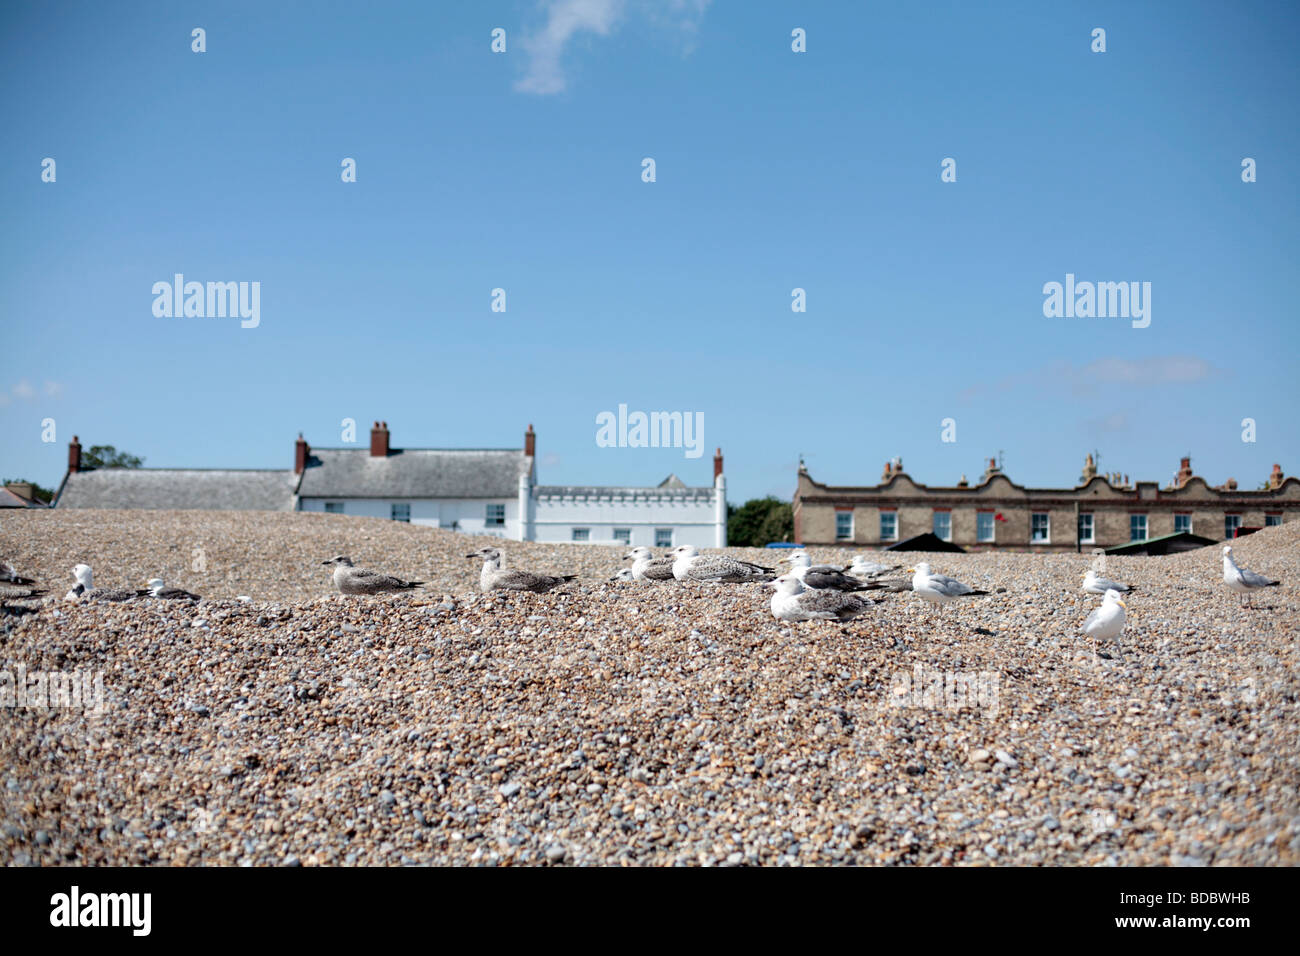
(1040, 526)
(1137, 527)
(889, 526)
(401, 513)
(334, 507)
(1270, 520)
(1087, 533)
(1182, 524)
(1230, 525)
(943, 525)
(984, 526)
(495, 516)
(844, 526)
(663, 537)
(581, 534)
(623, 535)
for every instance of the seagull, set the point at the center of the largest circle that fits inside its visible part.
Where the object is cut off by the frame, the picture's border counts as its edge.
(1096, 585)
(793, 602)
(350, 580)
(85, 588)
(495, 578)
(939, 588)
(624, 575)
(1240, 580)
(823, 577)
(9, 576)
(690, 565)
(646, 567)
(156, 590)
(1106, 622)
(862, 568)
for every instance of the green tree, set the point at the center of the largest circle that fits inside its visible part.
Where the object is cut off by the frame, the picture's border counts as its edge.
(758, 522)
(39, 492)
(106, 456)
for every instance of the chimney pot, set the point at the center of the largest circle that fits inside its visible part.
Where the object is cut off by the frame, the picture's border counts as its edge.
(717, 464)
(379, 441)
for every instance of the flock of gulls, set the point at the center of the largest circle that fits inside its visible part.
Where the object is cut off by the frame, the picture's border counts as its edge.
(808, 592)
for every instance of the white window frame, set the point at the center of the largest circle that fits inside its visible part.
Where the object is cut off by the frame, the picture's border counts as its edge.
(1092, 527)
(579, 534)
(1047, 538)
(888, 514)
(993, 527)
(1186, 515)
(489, 521)
(845, 513)
(392, 511)
(1272, 521)
(1146, 527)
(934, 520)
(661, 533)
(623, 535)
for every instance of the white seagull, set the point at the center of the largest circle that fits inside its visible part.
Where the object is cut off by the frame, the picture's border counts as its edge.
(493, 577)
(85, 588)
(1094, 584)
(1107, 621)
(624, 574)
(1240, 580)
(646, 567)
(793, 602)
(690, 565)
(823, 577)
(350, 580)
(939, 588)
(862, 568)
(157, 590)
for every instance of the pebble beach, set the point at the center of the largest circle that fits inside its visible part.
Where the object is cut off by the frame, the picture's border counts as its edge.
(616, 723)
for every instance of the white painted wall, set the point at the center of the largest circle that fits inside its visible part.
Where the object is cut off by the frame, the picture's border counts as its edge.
(692, 521)
(469, 513)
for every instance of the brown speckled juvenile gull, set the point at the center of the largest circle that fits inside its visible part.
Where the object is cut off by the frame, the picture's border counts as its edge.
(646, 567)
(823, 577)
(350, 580)
(85, 589)
(493, 577)
(793, 602)
(690, 565)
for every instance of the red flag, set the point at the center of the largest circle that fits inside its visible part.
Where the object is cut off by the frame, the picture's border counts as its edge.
(998, 517)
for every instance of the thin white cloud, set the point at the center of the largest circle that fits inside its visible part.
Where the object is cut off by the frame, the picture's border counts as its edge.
(544, 73)
(24, 390)
(53, 389)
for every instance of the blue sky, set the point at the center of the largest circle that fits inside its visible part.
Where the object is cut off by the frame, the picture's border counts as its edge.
(775, 170)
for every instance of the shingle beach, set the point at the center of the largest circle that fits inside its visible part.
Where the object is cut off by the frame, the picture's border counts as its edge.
(625, 724)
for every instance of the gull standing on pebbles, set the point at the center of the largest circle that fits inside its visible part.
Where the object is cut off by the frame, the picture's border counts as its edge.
(646, 567)
(793, 602)
(1098, 585)
(1106, 623)
(1240, 580)
(493, 577)
(85, 588)
(939, 588)
(823, 577)
(690, 565)
(350, 580)
(156, 590)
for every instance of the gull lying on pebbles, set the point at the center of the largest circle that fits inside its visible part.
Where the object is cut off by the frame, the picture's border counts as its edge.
(690, 565)
(1240, 580)
(9, 576)
(823, 577)
(646, 567)
(493, 577)
(350, 580)
(863, 568)
(85, 589)
(1098, 585)
(157, 590)
(624, 575)
(939, 588)
(1107, 621)
(793, 602)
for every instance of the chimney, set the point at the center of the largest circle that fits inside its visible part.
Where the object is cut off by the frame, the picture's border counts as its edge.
(1230, 485)
(530, 443)
(300, 453)
(379, 440)
(717, 464)
(1184, 471)
(74, 454)
(1276, 478)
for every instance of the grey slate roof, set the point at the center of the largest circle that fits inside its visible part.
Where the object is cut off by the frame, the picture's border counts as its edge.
(160, 489)
(414, 473)
(605, 491)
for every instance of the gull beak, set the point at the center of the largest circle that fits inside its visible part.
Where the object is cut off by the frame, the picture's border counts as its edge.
(911, 571)
(323, 563)
(471, 555)
(1121, 604)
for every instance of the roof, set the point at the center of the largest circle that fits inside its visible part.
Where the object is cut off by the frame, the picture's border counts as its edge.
(1165, 544)
(926, 542)
(10, 500)
(168, 489)
(414, 473)
(661, 491)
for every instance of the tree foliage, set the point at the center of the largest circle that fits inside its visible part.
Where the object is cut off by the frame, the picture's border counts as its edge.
(39, 492)
(106, 456)
(758, 522)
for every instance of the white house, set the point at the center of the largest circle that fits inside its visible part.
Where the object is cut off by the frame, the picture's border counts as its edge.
(477, 491)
